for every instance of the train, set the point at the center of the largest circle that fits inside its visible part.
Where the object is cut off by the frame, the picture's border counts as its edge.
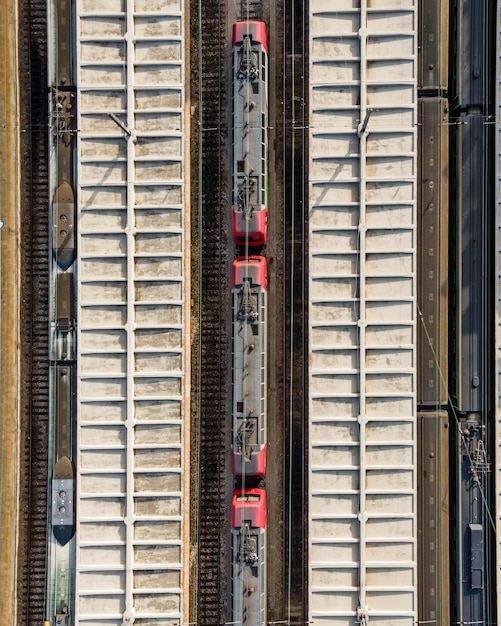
(472, 382)
(249, 337)
(433, 421)
(455, 391)
(249, 287)
(249, 107)
(63, 318)
(248, 553)
(63, 243)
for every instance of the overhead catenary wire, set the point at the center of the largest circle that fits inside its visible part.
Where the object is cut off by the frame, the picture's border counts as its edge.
(212, 125)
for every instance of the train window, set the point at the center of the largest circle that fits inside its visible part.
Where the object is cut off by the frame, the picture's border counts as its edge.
(240, 407)
(255, 87)
(263, 61)
(248, 497)
(240, 166)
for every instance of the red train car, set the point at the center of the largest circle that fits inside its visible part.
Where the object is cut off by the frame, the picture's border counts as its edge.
(248, 553)
(249, 371)
(249, 133)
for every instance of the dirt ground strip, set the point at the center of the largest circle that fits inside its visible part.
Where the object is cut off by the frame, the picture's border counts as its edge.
(9, 303)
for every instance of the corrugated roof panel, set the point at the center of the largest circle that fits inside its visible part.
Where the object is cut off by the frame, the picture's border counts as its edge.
(131, 402)
(362, 288)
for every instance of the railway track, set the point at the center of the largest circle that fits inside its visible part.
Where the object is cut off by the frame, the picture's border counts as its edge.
(213, 371)
(295, 317)
(251, 10)
(34, 311)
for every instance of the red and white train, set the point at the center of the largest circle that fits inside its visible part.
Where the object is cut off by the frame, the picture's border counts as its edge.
(248, 551)
(249, 337)
(249, 321)
(249, 133)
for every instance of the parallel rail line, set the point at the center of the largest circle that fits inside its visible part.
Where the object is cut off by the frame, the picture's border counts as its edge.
(34, 312)
(213, 385)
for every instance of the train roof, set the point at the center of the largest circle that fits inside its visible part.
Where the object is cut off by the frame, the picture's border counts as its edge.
(256, 29)
(251, 231)
(251, 266)
(249, 504)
